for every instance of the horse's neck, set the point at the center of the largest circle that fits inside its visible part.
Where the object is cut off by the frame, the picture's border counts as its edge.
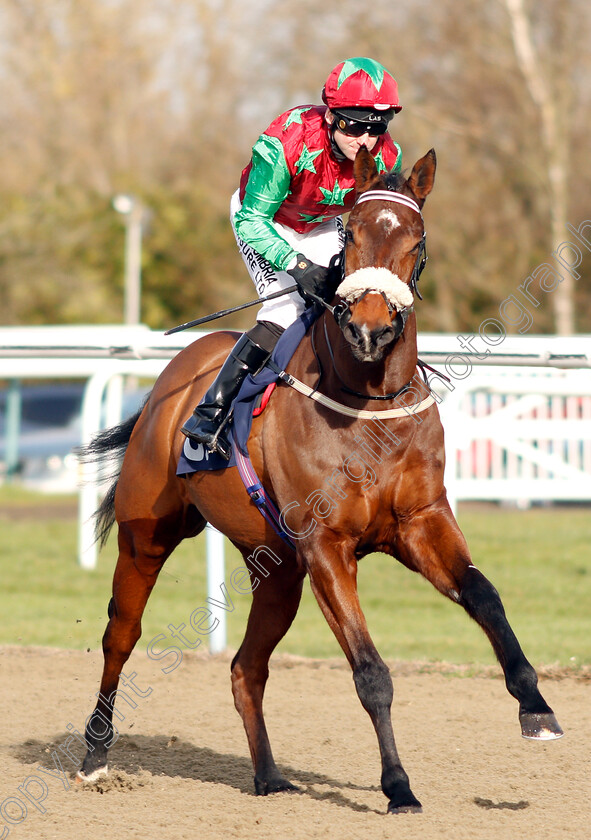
(386, 377)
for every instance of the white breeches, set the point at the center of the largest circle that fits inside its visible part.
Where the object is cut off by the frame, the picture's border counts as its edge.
(319, 245)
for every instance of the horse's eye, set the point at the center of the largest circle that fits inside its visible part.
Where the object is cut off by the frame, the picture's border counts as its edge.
(349, 235)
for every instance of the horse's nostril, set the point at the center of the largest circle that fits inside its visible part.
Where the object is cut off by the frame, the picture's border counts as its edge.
(383, 335)
(351, 333)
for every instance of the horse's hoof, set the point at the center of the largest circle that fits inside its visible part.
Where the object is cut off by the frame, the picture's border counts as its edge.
(405, 809)
(264, 788)
(88, 779)
(405, 802)
(540, 727)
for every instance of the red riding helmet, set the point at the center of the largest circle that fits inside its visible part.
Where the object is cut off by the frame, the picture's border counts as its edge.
(361, 83)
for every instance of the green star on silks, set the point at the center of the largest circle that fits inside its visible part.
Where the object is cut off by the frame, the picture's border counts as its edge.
(381, 166)
(376, 74)
(313, 220)
(306, 160)
(295, 116)
(337, 196)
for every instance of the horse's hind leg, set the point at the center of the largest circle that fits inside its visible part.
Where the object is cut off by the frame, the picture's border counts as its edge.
(333, 576)
(432, 544)
(144, 546)
(276, 599)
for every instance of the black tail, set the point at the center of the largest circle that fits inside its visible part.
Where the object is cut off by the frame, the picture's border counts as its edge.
(107, 447)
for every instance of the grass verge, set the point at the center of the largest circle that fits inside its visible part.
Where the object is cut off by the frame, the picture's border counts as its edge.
(537, 559)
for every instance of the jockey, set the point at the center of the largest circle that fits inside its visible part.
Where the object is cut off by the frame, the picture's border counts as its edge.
(286, 216)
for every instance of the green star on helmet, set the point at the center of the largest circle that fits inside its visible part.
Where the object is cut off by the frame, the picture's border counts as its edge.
(374, 70)
(306, 160)
(336, 195)
(295, 116)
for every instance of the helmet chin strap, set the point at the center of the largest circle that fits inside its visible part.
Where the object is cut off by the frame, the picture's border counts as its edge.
(333, 143)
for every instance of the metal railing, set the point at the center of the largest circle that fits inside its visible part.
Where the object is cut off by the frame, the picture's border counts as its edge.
(511, 432)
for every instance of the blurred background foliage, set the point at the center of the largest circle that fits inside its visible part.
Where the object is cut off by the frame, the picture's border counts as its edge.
(163, 100)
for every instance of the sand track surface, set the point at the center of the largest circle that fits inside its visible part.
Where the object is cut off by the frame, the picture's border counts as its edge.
(181, 767)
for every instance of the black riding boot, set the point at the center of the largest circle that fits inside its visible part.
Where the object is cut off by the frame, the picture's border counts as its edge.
(248, 355)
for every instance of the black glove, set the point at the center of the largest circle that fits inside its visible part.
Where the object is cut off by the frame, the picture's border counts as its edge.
(310, 277)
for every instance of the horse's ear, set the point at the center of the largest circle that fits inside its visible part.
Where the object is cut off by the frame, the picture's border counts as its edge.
(365, 170)
(422, 176)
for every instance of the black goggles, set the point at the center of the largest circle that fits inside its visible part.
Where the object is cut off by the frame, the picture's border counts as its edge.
(357, 128)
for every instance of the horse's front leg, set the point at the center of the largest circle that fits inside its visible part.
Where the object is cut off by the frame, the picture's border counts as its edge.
(332, 567)
(432, 543)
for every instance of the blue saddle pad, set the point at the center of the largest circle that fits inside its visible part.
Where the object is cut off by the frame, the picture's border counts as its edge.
(195, 457)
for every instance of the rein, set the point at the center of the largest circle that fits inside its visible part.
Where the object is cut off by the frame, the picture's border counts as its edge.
(345, 387)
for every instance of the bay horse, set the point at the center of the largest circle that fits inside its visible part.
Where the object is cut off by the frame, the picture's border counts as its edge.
(345, 489)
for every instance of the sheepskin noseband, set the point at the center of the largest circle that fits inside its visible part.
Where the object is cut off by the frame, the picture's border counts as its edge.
(376, 280)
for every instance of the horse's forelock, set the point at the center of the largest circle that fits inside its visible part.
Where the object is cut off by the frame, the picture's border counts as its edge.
(394, 181)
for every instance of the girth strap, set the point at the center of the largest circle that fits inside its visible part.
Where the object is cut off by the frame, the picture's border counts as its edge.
(264, 504)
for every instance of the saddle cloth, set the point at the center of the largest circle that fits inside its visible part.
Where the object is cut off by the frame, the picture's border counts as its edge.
(194, 456)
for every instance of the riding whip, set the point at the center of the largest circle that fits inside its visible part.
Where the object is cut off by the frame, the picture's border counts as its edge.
(223, 312)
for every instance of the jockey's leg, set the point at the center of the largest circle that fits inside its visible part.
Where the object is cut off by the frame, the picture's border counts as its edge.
(249, 354)
(320, 244)
(253, 349)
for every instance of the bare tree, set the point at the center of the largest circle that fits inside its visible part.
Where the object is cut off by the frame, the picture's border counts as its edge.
(555, 126)
(166, 99)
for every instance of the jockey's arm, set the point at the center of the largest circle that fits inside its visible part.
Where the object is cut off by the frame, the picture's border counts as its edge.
(266, 190)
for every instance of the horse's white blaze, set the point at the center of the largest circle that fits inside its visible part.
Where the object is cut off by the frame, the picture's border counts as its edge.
(366, 338)
(376, 280)
(390, 219)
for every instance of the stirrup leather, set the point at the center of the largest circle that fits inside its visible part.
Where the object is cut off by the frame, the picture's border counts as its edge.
(245, 357)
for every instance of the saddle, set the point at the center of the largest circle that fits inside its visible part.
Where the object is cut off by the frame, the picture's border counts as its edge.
(250, 402)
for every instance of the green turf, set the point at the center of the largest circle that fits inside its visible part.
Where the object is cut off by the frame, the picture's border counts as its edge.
(538, 560)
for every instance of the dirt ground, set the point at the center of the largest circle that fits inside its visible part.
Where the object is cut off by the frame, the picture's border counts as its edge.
(181, 767)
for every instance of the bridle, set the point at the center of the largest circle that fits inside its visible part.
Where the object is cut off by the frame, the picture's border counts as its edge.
(342, 311)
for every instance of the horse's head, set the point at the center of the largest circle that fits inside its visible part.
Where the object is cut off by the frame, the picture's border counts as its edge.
(384, 254)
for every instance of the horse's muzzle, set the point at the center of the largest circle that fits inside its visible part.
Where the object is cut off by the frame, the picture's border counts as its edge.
(369, 344)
